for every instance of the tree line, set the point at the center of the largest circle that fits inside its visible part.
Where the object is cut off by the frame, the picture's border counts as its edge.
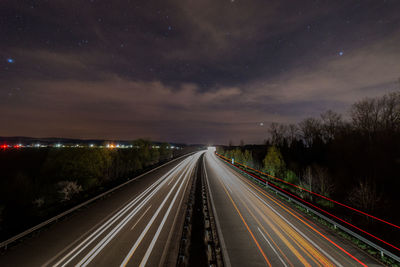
(354, 160)
(38, 183)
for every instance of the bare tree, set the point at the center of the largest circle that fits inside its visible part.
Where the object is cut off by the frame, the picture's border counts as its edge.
(292, 133)
(376, 114)
(277, 133)
(311, 130)
(365, 196)
(323, 184)
(365, 115)
(316, 179)
(390, 111)
(332, 123)
(68, 189)
(307, 183)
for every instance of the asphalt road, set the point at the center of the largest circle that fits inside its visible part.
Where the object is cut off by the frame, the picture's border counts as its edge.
(141, 223)
(258, 229)
(138, 225)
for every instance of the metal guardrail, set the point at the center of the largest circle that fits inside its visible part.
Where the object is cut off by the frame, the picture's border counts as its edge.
(335, 224)
(7, 242)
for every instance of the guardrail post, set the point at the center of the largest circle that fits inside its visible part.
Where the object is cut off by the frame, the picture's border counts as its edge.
(334, 226)
(382, 254)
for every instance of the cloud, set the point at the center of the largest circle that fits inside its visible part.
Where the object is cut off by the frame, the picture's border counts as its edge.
(337, 81)
(125, 108)
(142, 107)
(189, 71)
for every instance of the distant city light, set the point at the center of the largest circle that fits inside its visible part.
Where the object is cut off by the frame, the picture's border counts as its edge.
(10, 60)
(91, 145)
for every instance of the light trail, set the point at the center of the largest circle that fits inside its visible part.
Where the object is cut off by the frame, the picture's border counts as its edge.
(309, 191)
(157, 185)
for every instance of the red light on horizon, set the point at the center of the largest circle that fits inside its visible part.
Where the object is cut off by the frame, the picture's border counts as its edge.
(4, 146)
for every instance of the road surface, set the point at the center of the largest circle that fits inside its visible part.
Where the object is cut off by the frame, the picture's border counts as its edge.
(258, 229)
(138, 225)
(141, 224)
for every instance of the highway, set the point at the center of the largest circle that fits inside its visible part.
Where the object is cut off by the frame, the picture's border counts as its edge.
(257, 229)
(139, 225)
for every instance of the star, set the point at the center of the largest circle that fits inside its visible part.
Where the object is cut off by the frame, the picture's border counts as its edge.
(10, 60)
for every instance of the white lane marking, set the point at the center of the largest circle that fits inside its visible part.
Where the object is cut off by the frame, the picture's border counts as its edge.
(159, 183)
(150, 248)
(284, 264)
(96, 250)
(132, 250)
(140, 217)
(295, 228)
(220, 235)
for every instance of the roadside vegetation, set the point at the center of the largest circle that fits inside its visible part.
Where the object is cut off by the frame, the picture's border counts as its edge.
(37, 183)
(355, 160)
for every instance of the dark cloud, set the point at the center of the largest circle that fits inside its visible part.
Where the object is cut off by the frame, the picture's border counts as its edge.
(189, 71)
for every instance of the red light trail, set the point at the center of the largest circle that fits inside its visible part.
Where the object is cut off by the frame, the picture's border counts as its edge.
(308, 203)
(316, 194)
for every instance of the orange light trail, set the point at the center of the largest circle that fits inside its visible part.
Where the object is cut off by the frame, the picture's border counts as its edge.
(315, 230)
(326, 212)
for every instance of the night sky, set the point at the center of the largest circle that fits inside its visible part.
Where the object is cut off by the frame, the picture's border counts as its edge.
(194, 71)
